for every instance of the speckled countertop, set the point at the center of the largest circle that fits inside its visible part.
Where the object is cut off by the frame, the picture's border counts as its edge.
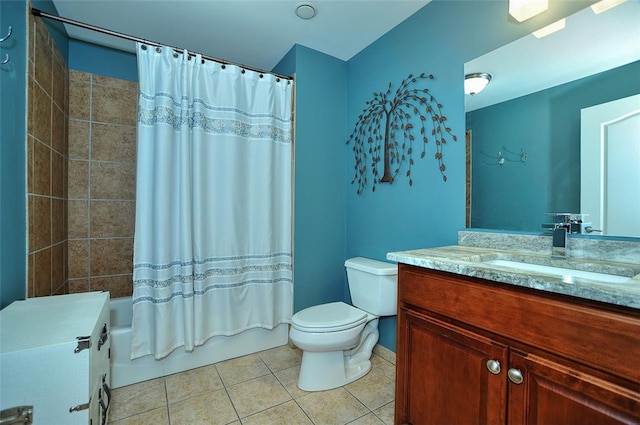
(471, 261)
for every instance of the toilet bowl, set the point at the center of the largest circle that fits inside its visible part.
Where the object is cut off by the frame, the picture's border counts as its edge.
(337, 339)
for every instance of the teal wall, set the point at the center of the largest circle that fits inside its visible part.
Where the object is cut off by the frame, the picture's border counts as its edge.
(13, 223)
(94, 59)
(319, 230)
(546, 125)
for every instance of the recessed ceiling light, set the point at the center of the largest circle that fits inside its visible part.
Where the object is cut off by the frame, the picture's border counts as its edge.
(306, 10)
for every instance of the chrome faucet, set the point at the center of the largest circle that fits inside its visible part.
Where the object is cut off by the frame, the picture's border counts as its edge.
(560, 227)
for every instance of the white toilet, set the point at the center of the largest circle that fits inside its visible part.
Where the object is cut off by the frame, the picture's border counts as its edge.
(336, 339)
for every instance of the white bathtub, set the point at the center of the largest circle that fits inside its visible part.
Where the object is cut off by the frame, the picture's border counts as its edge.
(125, 371)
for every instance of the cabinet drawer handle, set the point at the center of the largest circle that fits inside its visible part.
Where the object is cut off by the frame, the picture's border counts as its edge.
(493, 366)
(515, 376)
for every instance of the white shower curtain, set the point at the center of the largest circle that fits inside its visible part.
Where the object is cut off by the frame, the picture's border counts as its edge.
(213, 242)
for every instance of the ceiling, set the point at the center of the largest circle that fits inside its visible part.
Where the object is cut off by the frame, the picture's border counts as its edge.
(588, 44)
(255, 33)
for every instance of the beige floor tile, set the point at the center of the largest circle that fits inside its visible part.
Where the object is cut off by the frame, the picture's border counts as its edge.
(181, 386)
(386, 413)
(138, 398)
(387, 368)
(333, 407)
(287, 413)
(373, 390)
(369, 419)
(281, 358)
(158, 416)
(385, 353)
(213, 408)
(257, 395)
(241, 369)
(289, 380)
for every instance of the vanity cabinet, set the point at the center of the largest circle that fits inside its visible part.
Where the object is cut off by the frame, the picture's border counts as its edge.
(472, 351)
(54, 356)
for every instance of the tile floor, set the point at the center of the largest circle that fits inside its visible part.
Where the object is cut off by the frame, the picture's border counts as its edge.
(258, 389)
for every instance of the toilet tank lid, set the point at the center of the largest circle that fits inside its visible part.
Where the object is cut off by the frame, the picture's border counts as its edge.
(371, 266)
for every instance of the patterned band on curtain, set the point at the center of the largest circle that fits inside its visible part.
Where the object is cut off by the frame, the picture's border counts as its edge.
(213, 247)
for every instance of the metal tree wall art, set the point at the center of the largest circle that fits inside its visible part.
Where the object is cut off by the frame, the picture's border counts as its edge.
(386, 132)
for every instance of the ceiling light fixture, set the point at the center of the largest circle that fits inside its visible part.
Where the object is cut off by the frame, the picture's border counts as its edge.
(476, 82)
(550, 29)
(306, 10)
(522, 10)
(603, 5)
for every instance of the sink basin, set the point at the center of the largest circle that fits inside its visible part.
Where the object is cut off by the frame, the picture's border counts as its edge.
(566, 274)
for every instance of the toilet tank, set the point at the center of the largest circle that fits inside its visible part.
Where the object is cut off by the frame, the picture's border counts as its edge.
(373, 285)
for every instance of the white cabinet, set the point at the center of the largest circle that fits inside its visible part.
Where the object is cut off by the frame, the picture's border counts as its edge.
(54, 356)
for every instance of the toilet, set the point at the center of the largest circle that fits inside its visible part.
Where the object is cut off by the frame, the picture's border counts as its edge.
(337, 339)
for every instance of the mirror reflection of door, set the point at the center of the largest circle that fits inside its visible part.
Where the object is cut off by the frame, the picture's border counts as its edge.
(610, 166)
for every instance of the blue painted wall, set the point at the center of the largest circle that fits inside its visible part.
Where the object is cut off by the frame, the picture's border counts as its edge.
(546, 125)
(100, 60)
(319, 232)
(12, 153)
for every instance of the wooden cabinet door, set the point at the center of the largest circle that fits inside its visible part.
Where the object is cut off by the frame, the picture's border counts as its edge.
(551, 393)
(443, 377)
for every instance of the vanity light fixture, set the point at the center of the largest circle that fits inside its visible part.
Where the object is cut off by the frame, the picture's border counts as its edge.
(306, 10)
(476, 82)
(550, 29)
(603, 5)
(522, 10)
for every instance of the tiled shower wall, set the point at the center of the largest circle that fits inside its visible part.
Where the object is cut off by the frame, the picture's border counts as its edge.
(47, 95)
(101, 183)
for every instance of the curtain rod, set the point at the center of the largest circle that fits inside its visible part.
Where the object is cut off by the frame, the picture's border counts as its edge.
(37, 12)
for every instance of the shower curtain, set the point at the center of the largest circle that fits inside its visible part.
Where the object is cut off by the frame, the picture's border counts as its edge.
(213, 228)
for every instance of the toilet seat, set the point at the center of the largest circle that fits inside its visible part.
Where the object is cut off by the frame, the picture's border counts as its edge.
(331, 317)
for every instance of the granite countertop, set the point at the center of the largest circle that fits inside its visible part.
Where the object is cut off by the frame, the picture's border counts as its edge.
(471, 261)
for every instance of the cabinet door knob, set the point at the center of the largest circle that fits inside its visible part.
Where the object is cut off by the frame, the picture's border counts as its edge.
(493, 366)
(515, 376)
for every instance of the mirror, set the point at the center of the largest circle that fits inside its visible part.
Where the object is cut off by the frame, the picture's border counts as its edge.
(524, 128)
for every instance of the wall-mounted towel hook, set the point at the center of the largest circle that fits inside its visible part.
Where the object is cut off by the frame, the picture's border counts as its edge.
(8, 34)
(6, 56)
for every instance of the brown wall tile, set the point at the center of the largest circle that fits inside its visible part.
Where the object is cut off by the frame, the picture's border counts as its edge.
(57, 174)
(78, 219)
(112, 219)
(43, 59)
(31, 290)
(115, 82)
(57, 266)
(114, 106)
(111, 142)
(59, 79)
(78, 183)
(78, 258)
(118, 286)
(39, 222)
(58, 130)
(41, 169)
(42, 273)
(111, 256)
(57, 221)
(79, 75)
(79, 100)
(78, 139)
(110, 180)
(78, 285)
(40, 117)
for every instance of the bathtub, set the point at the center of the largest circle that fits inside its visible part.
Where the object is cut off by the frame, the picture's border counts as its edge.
(125, 371)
